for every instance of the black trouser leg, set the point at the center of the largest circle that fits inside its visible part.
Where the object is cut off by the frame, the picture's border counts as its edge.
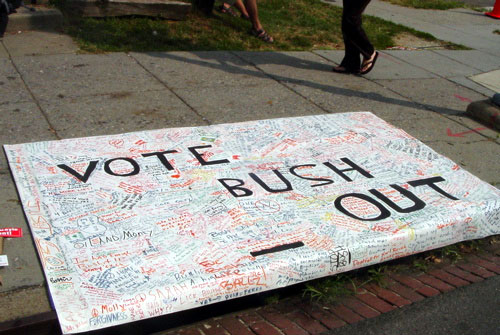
(351, 59)
(355, 39)
(4, 19)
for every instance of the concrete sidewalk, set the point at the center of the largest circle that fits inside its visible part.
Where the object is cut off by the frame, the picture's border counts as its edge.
(461, 26)
(51, 91)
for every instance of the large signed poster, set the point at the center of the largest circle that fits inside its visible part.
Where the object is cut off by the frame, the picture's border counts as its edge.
(143, 224)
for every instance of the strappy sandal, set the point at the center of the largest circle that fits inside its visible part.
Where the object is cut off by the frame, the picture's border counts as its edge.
(262, 35)
(226, 9)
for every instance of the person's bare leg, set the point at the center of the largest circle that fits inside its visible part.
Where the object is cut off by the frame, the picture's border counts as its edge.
(251, 6)
(257, 30)
(241, 7)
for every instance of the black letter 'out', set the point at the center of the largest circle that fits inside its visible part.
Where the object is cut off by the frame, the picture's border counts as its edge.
(431, 183)
(384, 212)
(417, 203)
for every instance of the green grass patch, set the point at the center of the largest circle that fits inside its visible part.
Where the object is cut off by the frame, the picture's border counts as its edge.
(428, 4)
(295, 25)
(330, 289)
(272, 299)
(449, 254)
(334, 288)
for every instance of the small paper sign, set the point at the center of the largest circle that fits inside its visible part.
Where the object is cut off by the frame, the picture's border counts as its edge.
(11, 232)
(4, 261)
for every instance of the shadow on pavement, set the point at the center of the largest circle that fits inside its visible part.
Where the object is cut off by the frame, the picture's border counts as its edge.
(304, 64)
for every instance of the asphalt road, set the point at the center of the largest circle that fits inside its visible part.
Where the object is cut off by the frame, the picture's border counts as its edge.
(472, 310)
(478, 3)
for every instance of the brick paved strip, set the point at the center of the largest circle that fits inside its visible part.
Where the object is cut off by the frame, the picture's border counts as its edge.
(389, 296)
(264, 328)
(288, 305)
(327, 319)
(277, 319)
(448, 278)
(404, 291)
(282, 322)
(490, 266)
(308, 323)
(211, 327)
(360, 308)
(491, 258)
(462, 274)
(377, 303)
(434, 282)
(345, 313)
(294, 331)
(475, 270)
(418, 286)
(250, 318)
(235, 326)
(185, 331)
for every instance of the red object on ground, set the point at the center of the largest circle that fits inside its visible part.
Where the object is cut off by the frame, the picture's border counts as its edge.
(495, 13)
(11, 232)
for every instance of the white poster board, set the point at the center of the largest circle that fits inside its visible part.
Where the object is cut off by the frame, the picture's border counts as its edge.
(144, 224)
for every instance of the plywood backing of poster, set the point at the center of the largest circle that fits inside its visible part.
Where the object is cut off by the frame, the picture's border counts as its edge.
(143, 224)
